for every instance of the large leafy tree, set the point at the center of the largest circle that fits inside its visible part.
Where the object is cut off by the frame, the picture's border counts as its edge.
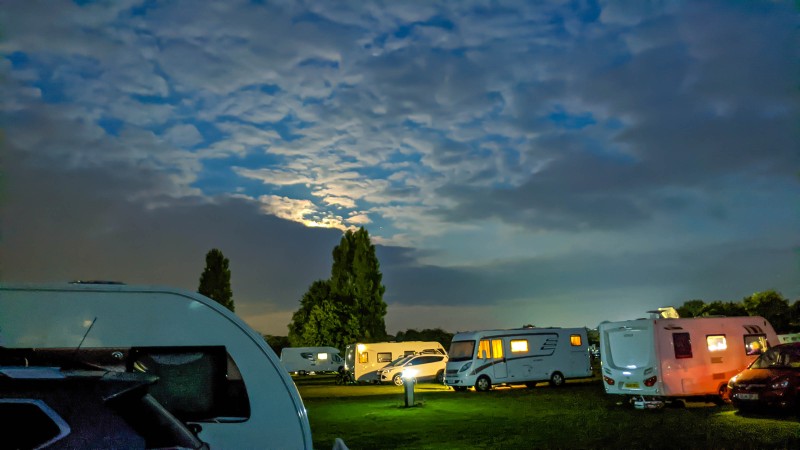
(428, 334)
(691, 308)
(772, 306)
(348, 307)
(215, 281)
(720, 308)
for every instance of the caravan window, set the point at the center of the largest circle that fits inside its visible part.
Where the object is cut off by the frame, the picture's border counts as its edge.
(519, 346)
(716, 343)
(194, 383)
(755, 344)
(363, 357)
(575, 340)
(682, 343)
(384, 357)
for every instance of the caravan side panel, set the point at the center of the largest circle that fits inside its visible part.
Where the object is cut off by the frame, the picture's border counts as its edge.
(111, 316)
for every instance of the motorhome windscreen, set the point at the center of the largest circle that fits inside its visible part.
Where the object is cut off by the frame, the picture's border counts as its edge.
(629, 348)
(462, 350)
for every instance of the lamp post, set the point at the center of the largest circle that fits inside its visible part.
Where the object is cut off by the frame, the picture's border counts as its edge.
(409, 381)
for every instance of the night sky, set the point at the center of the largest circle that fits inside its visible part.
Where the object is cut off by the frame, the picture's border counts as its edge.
(556, 163)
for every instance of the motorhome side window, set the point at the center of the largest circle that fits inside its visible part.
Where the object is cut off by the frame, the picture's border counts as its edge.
(308, 356)
(519, 346)
(194, 383)
(682, 344)
(716, 343)
(484, 349)
(384, 357)
(755, 344)
(575, 340)
(322, 356)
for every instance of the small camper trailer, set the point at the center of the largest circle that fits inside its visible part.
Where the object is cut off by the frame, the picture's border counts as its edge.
(657, 359)
(210, 370)
(305, 360)
(363, 360)
(519, 356)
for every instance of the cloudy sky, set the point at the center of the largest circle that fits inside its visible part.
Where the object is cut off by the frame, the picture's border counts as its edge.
(557, 163)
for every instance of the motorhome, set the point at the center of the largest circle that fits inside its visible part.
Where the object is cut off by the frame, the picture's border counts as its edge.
(363, 360)
(306, 360)
(210, 369)
(654, 360)
(518, 356)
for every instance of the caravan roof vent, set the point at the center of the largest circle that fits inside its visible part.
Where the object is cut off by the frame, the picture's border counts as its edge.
(666, 312)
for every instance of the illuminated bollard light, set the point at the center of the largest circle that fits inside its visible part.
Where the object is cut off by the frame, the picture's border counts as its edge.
(409, 380)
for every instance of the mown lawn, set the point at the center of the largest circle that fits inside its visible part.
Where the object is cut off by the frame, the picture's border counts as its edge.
(578, 415)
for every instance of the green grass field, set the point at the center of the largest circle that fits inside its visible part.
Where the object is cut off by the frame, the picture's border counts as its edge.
(577, 415)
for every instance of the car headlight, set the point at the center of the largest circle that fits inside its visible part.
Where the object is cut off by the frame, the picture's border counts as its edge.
(782, 384)
(465, 367)
(732, 382)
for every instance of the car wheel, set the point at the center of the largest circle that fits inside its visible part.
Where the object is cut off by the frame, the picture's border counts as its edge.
(483, 384)
(440, 376)
(398, 380)
(557, 379)
(722, 396)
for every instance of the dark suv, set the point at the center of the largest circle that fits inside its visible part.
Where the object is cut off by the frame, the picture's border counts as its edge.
(771, 381)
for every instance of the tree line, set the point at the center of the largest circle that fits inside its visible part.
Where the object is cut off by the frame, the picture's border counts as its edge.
(771, 305)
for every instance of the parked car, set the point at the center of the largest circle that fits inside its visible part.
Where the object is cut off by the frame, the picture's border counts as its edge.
(771, 381)
(424, 367)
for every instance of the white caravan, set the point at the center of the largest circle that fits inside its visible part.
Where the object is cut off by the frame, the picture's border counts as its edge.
(653, 360)
(304, 360)
(214, 372)
(517, 356)
(363, 360)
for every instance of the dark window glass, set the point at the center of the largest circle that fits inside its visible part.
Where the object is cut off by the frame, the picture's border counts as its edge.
(384, 357)
(682, 344)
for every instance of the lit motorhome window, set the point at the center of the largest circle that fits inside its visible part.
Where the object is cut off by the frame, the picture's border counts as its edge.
(497, 348)
(384, 357)
(755, 344)
(716, 343)
(682, 344)
(575, 340)
(322, 356)
(484, 349)
(519, 346)
(363, 357)
(461, 350)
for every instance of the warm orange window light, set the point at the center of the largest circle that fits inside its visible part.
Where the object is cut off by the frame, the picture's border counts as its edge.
(497, 348)
(716, 343)
(519, 346)
(575, 340)
(363, 357)
(484, 350)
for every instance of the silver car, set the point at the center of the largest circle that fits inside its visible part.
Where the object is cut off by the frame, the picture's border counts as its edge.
(423, 367)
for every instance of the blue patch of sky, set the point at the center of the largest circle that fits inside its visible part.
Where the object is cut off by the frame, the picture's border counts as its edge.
(319, 63)
(569, 121)
(111, 125)
(437, 21)
(586, 10)
(143, 8)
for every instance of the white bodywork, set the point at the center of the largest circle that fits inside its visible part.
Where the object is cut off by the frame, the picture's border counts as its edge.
(364, 359)
(311, 359)
(523, 355)
(679, 357)
(123, 318)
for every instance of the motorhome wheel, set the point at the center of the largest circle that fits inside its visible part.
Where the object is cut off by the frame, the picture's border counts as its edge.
(557, 379)
(483, 384)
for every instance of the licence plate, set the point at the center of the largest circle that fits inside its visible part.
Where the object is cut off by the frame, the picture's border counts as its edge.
(631, 385)
(746, 396)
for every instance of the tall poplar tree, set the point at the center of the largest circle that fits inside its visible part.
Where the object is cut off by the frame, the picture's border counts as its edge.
(215, 281)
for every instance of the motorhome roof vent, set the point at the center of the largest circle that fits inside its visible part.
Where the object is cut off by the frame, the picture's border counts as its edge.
(666, 312)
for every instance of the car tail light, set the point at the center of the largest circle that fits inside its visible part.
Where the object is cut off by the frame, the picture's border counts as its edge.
(650, 381)
(609, 380)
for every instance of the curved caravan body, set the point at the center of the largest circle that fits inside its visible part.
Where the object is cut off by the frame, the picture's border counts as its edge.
(214, 372)
(364, 360)
(523, 355)
(653, 359)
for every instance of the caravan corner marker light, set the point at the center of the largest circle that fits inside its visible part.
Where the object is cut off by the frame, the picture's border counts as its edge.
(361, 348)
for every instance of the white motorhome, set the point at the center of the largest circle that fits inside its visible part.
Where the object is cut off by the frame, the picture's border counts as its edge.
(363, 360)
(517, 356)
(214, 372)
(304, 360)
(654, 360)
